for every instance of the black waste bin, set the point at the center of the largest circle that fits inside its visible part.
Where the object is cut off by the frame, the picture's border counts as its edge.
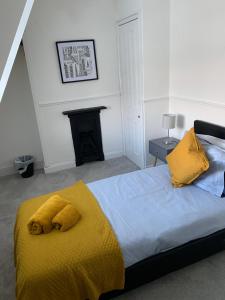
(25, 165)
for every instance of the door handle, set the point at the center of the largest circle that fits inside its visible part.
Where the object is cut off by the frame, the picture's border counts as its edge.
(139, 116)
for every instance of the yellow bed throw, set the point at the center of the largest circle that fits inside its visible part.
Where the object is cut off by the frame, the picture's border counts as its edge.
(41, 220)
(82, 263)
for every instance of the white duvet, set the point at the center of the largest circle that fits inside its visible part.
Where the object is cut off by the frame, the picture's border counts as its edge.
(149, 216)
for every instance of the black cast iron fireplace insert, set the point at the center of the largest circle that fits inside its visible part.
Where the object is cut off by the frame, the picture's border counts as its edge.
(86, 133)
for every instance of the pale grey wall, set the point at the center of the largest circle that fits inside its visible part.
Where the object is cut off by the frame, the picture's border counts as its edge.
(18, 125)
(197, 65)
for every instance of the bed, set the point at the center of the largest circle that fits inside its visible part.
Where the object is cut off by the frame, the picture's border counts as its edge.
(159, 228)
(188, 230)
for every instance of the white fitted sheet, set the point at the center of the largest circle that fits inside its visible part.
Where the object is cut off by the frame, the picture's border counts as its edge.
(149, 216)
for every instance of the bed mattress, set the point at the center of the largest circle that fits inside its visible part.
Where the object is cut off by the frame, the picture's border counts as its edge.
(149, 216)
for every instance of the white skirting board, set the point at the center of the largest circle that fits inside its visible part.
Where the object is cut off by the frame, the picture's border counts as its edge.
(72, 164)
(59, 167)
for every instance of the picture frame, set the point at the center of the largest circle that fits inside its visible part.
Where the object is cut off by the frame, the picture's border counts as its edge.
(77, 60)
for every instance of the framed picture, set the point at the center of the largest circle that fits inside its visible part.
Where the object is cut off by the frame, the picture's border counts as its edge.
(77, 60)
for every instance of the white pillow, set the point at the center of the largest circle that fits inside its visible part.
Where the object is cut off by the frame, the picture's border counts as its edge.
(212, 140)
(213, 179)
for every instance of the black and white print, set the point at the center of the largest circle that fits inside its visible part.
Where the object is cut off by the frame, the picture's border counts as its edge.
(77, 60)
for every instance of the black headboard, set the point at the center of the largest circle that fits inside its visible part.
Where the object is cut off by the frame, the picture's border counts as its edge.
(202, 127)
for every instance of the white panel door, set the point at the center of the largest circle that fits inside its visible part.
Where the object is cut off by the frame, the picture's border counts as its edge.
(131, 90)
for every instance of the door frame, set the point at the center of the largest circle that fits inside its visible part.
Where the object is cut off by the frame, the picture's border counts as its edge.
(133, 17)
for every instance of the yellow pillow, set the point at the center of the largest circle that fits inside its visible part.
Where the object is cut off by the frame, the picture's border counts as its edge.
(187, 161)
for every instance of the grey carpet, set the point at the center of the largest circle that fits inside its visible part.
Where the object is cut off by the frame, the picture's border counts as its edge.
(203, 280)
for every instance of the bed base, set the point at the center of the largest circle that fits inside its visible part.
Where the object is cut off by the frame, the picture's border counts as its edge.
(161, 264)
(179, 257)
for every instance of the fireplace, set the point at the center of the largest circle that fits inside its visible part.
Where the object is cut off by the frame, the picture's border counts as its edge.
(86, 133)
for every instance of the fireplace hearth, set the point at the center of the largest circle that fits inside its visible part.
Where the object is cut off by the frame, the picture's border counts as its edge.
(86, 133)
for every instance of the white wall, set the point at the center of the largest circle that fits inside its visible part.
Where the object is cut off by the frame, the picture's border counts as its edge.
(156, 67)
(125, 8)
(156, 23)
(81, 19)
(183, 60)
(197, 73)
(13, 19)
(18, 125)
(155, 34)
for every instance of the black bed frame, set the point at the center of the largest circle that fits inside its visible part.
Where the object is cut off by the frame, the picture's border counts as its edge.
(158, 265)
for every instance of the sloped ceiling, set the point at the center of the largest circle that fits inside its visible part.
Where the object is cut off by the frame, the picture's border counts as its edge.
(13, 19)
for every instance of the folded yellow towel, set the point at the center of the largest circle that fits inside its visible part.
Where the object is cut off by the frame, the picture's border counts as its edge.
(66, 218)
(41, 221)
